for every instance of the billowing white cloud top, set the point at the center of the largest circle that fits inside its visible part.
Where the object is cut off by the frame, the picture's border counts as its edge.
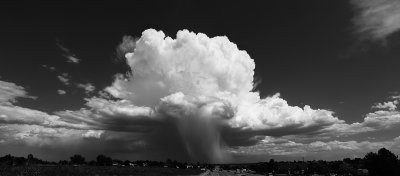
(192, 64)
(195, 70)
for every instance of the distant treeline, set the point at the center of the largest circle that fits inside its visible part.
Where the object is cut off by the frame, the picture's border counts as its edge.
(384, 162)
(101, 160)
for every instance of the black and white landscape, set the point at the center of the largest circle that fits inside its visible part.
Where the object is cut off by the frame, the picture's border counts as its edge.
(201, 82)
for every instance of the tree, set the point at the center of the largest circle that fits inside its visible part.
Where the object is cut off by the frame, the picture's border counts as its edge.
(92, 163)
(127, 163)
(30, 157)
(382, 163)
(104, 160)
(168, 162)
(7, 160)
(344, 168)
(19, 161)
(77, 159)
(63, 162)
(272, 165)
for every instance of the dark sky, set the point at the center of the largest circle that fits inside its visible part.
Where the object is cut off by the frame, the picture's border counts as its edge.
(311, 51)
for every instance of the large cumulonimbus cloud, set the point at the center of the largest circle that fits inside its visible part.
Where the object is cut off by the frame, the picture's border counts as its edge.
(191, 98)
(204, 87)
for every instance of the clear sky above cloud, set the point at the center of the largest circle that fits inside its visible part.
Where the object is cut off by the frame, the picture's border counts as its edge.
(284, 80)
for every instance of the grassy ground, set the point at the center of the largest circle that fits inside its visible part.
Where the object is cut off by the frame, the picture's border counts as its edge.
(93, 171)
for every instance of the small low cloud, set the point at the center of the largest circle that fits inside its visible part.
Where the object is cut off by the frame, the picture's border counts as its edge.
(88, 87)
(93, 134)
(51, 68)
(9, 92)
(64, 79)
(71, 58)
(61, 92)
(127, 45)
(390, 105)
(377, 19)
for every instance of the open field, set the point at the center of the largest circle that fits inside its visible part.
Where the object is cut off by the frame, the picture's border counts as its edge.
(93, 171)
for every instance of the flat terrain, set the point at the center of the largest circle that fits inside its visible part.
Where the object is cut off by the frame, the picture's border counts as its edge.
(94, 171)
